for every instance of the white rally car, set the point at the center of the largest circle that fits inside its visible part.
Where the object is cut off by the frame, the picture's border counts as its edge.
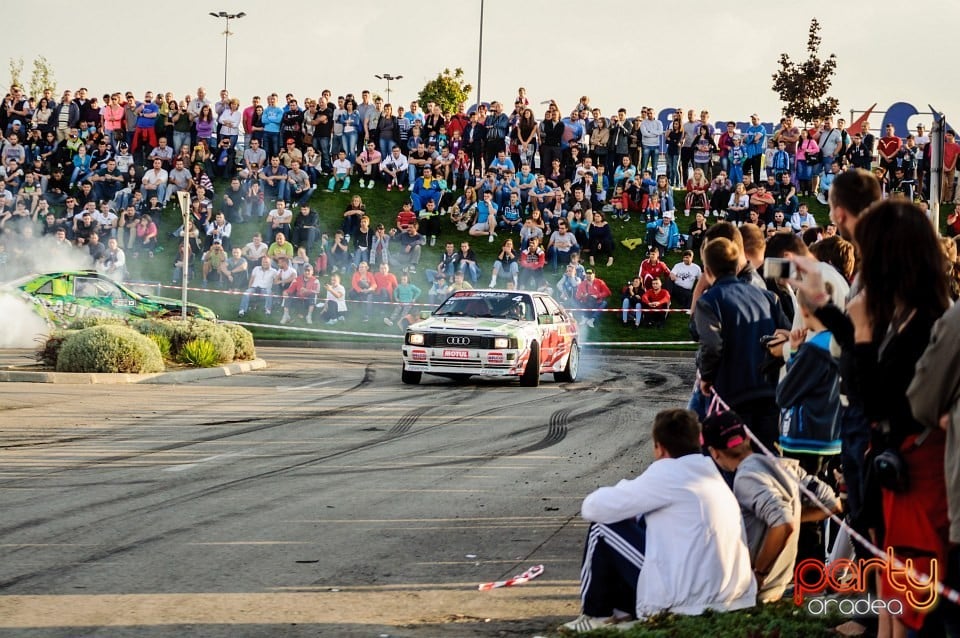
(499, 333)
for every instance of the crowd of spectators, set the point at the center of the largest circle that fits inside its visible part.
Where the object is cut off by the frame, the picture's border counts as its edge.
(564, 187)
(823, 367)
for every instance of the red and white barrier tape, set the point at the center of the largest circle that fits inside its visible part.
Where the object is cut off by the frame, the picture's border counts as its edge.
(519, 579)
(717, 404)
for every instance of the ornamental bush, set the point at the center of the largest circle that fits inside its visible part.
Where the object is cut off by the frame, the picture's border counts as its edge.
(183, 332)
(243, 347)
(90, 321)
(109, 348)
(51, 345)
(200, 353)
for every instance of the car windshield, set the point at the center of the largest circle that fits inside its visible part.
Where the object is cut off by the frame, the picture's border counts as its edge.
(487, 305)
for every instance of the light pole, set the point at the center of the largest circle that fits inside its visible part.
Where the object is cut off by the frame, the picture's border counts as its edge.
(388, 78)
(226, 37)
(480, 56)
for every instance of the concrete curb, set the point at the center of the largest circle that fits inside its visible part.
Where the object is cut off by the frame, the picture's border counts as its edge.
(178, 376)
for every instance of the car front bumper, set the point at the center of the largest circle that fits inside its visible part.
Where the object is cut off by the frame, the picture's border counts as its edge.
(488, 363)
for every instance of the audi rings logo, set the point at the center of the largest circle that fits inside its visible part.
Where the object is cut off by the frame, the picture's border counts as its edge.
(458, 341)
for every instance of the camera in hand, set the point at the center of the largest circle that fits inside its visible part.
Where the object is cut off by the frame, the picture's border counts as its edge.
(776, 268)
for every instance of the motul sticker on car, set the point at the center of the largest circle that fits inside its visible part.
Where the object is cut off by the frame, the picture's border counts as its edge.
(456, 354)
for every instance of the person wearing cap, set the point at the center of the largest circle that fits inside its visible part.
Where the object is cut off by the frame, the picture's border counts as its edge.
(663, 233)
(644, 531)
(767, 492)
(290, 153)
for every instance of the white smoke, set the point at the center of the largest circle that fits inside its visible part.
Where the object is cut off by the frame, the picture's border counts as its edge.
(22, 327)
(27, 253)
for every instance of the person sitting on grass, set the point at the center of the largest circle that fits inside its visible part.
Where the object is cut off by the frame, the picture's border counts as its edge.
(655, 302)
(669, 540)
(770, 501)
(342, 168)
(663, 233)
(335, 303)
(300, 297)
(592, 295)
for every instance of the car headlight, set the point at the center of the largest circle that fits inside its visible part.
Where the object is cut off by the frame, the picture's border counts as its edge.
(501, 343)
(415, 339)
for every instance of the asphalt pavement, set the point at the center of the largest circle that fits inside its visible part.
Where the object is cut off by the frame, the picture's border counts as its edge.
(317, 497)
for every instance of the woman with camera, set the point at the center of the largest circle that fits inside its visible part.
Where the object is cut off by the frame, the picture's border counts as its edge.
(904, 292)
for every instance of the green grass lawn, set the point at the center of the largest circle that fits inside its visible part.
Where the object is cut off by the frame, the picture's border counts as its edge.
(777, 620)
(382, 207)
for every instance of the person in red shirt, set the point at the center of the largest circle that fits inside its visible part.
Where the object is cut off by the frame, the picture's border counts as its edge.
(592, 294)
(655, 299)
(950, 152)
(404, 218)
(888, 147)
(301, 296)
(386, 284)
(652, 268)
(532, 261)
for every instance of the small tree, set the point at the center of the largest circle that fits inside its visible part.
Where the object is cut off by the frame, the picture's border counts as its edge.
(16, 71)
(448, 90)
(42, 77)
(803, 87)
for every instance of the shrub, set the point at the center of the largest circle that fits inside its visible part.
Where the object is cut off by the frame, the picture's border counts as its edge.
(81, 323)
(243, 347)
(109, 348)
(153, 326)
(162, 341)
(200, 353)
(183, 332)
(50, 346)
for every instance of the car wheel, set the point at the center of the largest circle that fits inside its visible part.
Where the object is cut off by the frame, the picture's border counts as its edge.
(531, 374)
(410, 377)
(572, 369)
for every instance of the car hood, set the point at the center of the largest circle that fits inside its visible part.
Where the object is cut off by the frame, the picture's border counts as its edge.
(469, 324)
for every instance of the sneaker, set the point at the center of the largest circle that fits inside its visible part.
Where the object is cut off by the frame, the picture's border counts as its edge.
(331, 322)
(625, 218)
(341, 318)
(386, 320)
(389, 187)
(590, 323)
(400, 188)
(587, 623)
(490, 239)
(413, 270)
(363, 184)
(309, 320)
(716, 214)
(686, 213)
(493, 283)
(433, 240)
(327, 190)
(241, 313)
(821, 199)
(370, 184)
(344, 190)
(267, 312)
(285, 319)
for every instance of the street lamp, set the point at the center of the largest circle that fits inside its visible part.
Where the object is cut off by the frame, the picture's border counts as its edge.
(226, 37)
(480, 56)
(388, 78)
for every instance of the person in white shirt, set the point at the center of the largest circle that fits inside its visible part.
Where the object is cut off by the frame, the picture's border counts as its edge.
(684, 276)
(107, 219)
(114, 261)
(261, 283)
(670, 540)
(394, 169)
(335, 304)
(154, 182)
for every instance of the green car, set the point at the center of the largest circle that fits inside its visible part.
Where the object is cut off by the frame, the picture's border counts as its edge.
(61, 297)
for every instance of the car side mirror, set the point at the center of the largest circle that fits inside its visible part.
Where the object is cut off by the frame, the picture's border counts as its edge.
(545, 319)
(425, 314)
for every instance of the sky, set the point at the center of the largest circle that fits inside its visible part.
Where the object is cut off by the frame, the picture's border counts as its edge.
(695, 54)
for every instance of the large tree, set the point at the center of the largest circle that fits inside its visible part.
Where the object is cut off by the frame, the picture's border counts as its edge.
(803, 86)
(448, 90)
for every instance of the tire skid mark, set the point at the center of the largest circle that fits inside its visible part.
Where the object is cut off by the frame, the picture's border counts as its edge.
(407, 420)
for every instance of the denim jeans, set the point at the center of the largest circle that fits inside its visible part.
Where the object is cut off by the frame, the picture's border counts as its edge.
(325, 162)
(350, 146)
(673, 169)
(650, 153)
(386, 148)
(271, 144)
